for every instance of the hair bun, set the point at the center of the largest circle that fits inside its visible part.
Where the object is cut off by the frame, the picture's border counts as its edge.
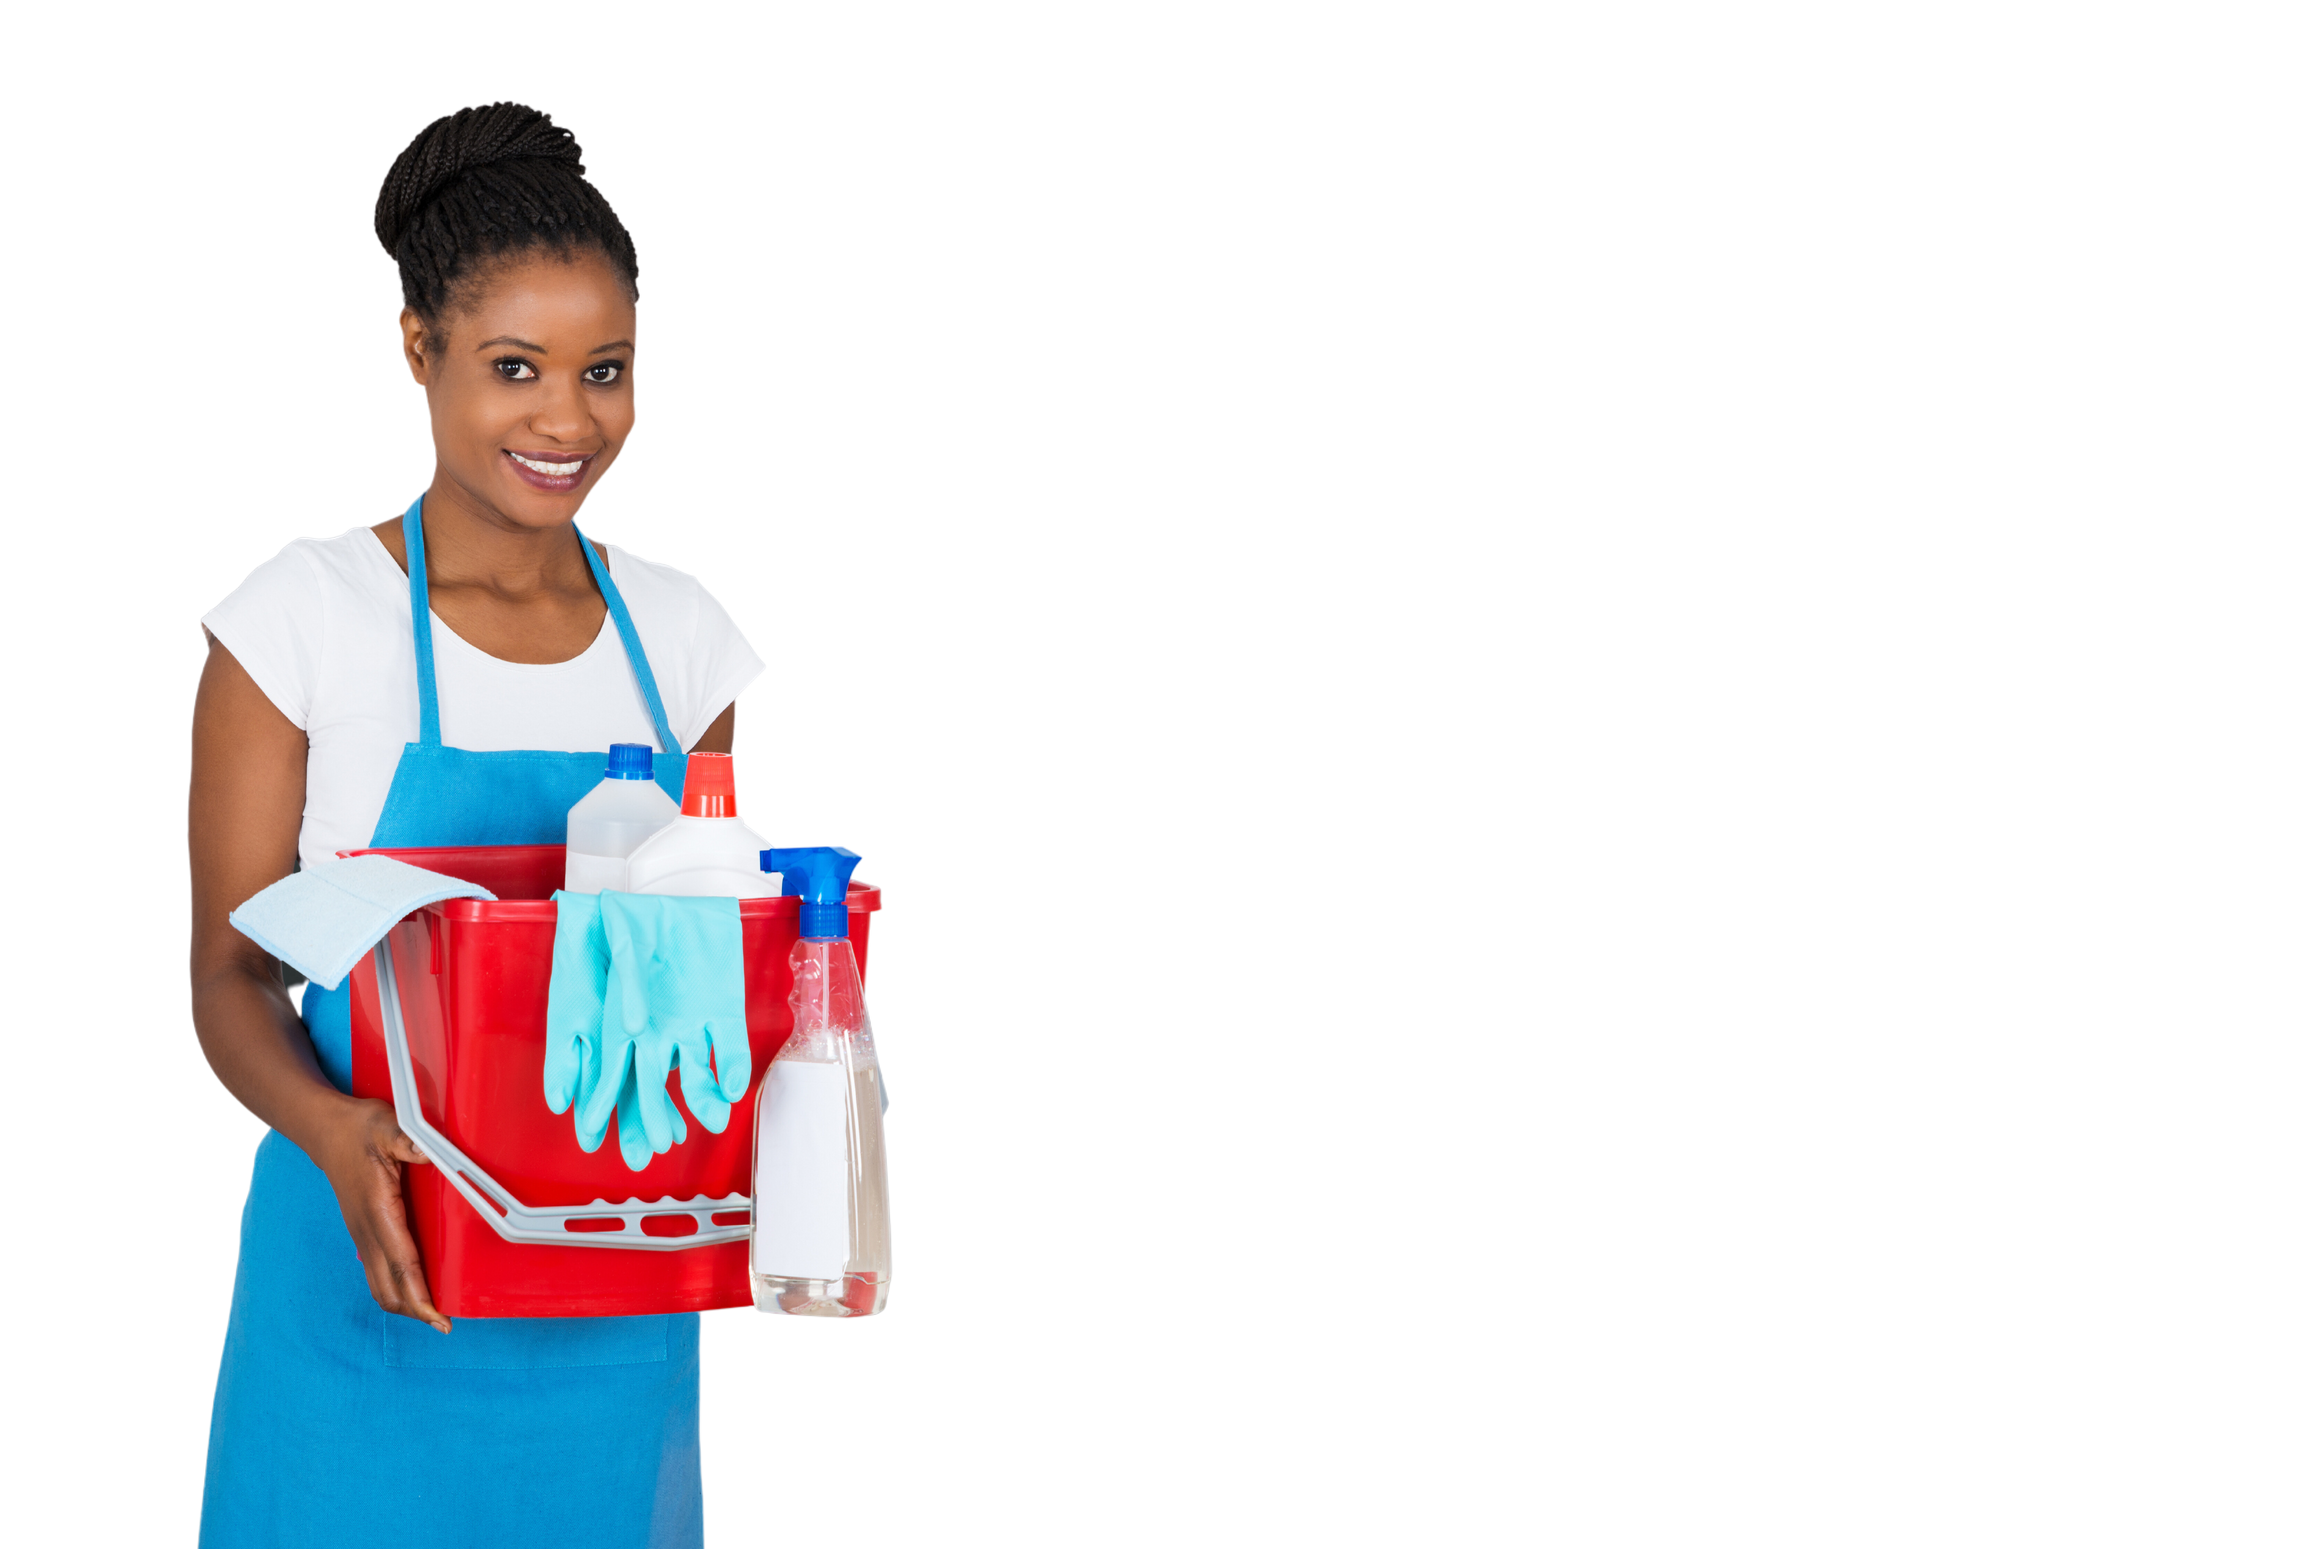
(458, 143)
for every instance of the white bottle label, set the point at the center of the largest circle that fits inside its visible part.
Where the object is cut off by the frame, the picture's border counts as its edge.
(799, 1196)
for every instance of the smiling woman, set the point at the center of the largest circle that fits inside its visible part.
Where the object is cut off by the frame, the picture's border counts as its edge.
(450, 676)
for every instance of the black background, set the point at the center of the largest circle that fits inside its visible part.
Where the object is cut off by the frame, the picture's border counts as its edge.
(210, 279)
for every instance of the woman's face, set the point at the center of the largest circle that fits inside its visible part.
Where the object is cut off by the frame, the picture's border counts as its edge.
(529, 393)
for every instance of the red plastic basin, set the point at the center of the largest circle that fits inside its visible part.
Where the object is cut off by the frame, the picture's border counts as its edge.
(474, 982)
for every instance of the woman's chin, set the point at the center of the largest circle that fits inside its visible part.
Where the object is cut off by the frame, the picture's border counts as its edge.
(533, 502)
(533, 505)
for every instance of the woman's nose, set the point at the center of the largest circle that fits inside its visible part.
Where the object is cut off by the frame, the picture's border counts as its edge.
(561, 413)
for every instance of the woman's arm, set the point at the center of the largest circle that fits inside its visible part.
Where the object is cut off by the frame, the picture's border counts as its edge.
(720, 736)
(249, 790)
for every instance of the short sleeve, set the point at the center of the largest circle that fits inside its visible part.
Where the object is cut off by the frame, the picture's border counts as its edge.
(275, 623)
(724, 663)
(700, 661)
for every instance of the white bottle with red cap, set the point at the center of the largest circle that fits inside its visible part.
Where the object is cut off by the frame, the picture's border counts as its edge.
(705, 852)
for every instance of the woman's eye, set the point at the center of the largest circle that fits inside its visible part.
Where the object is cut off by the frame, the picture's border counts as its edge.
(515, 368)
(604, 373)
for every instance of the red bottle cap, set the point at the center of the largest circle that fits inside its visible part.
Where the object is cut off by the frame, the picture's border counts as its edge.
(709, 786)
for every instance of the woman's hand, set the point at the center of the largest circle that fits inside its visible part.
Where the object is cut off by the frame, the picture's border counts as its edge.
(364, 1153)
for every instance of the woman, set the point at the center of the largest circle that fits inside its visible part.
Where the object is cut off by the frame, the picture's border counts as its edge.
(349, 1410)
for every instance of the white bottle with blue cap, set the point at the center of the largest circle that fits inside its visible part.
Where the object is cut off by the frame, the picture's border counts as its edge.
(625, 810)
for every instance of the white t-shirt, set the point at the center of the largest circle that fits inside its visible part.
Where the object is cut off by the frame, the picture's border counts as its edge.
(325, 629)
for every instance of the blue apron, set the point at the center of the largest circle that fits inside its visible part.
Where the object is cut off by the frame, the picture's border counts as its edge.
(338, 1424)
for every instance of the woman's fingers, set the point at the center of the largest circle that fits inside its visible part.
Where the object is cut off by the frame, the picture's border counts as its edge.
(367, 1175)
(399, 1256)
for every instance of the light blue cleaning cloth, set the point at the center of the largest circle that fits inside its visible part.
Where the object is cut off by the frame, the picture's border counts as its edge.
(322, 921)
(673, 1000)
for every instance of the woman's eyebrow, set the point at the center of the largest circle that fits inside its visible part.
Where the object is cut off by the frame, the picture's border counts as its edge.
(542, 349)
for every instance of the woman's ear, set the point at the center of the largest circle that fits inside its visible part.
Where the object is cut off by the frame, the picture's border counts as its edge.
(415, 345)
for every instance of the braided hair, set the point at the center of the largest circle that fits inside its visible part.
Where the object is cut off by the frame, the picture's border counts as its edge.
(484, 182)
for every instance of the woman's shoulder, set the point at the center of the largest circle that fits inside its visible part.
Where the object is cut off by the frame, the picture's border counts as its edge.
(317, 572)
(314, 592)
(659, 577)
(671, 594)
(687, 632)
(317, 597)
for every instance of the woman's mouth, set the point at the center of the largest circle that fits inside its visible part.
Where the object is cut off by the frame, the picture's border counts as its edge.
(555, 472)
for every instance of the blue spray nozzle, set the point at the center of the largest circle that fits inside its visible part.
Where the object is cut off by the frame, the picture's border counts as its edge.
(816, 875)
(629, 761)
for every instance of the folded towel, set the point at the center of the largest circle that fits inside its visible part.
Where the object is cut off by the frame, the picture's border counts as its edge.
(322, 921)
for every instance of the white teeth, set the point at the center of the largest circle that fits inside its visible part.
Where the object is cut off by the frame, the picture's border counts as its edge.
(554, 470)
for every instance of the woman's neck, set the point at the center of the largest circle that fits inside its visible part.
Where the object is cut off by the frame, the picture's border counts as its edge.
(472, 545)
(523, 594)
(469, 544)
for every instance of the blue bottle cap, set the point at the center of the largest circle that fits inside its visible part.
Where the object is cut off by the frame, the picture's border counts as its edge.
(822, 922)
(629, 761)
(817, 876)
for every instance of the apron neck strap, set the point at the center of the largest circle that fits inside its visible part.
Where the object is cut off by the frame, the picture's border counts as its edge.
(415, 549)
(415, 560)
(638, 665)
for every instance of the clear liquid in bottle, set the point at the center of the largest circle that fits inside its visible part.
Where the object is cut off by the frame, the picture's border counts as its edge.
(819, 1172)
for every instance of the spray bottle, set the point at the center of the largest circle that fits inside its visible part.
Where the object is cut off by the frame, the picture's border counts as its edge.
(819, 1199)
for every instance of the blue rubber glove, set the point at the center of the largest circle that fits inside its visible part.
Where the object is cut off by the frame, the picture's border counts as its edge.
(640, 1104)
(574, 1055)
(674, 999)
(638, 1147)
